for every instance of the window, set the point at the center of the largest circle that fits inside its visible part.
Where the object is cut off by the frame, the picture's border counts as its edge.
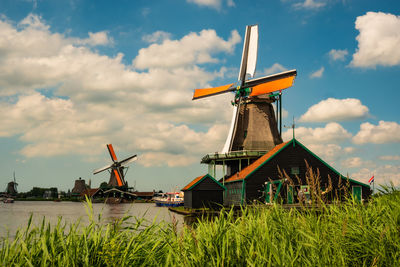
(295, 170)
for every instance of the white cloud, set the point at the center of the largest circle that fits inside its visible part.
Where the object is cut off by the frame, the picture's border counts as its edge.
(275, 68)
(390, 158)
(349, 149)
(157, 37)
(378, 41)
(310, 4)
(95, 39)
(194, 48)
(384, 132)
(338, 54)
(383, 174)
(330, 153)
(356, 162)
(92, 99)
(216, 4)
(318, 73)
(333, 109)
(332, 132)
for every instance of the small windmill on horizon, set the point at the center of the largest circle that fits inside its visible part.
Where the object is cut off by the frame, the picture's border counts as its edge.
(116, 168)
(12, 186)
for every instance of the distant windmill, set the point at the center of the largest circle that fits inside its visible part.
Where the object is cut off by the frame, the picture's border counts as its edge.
(117, 175)
(12, 186)
(253, 126)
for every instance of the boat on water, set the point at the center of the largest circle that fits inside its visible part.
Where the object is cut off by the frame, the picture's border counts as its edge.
(8, 200)
(172, 199)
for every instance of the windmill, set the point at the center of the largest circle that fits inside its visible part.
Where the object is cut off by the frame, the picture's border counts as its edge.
(254, 126)
(12, 186)
(253, 100)
(116, 169)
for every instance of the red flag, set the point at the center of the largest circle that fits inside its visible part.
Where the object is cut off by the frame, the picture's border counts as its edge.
(371, 179)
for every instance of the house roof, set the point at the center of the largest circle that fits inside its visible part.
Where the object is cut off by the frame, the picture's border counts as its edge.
(197, 180)
(120, 191)
(249, 169)
(90, 192)
(264, 159)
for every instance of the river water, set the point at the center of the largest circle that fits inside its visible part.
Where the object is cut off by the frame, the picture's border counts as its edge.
(16, 215)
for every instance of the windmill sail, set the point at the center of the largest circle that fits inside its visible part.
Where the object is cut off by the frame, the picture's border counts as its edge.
(253, 125)
(247, 67)
(249, 54)
(117, 168)
(228, 141)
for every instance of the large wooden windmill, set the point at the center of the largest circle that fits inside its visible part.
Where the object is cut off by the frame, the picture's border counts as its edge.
(254, 126)
(116, 168)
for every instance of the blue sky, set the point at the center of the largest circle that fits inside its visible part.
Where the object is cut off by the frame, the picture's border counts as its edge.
(76, 75)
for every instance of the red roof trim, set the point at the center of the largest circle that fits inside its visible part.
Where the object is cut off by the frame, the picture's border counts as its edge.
(249, 169)
(192, 183)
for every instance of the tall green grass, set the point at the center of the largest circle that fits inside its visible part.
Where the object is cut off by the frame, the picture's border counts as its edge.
(345, 234)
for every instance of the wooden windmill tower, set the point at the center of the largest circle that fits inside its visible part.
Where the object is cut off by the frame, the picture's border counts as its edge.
(254, 127)
(12, 187)
(117, 174)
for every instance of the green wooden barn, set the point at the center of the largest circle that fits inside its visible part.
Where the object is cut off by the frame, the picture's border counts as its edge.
(204, 191)
(284, 175)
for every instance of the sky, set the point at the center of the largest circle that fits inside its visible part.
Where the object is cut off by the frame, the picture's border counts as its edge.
(77, 75)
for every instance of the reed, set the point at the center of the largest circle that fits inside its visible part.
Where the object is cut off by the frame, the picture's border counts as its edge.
(349, 234)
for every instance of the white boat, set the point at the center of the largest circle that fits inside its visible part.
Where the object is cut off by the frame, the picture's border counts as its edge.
(172, 199)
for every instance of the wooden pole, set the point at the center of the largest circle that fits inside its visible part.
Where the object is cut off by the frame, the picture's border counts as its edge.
(280, 114)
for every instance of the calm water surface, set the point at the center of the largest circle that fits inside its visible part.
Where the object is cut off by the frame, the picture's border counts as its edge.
(15, 215)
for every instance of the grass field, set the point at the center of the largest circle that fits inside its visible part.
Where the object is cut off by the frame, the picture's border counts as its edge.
(345, 234)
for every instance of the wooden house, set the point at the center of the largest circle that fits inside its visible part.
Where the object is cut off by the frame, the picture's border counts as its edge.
(204, 191)
(283, 175)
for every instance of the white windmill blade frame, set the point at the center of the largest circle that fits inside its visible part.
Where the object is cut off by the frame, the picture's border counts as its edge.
(252, 53)
(249, 54)
(228, 141)
(103, 168)
(129, 160)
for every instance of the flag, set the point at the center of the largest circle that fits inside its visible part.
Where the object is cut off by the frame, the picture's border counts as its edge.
(371, 180)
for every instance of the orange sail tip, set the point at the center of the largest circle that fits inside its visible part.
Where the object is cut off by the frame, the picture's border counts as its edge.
(200, 93)
(112, 153)
(269, 87)
(119, 181)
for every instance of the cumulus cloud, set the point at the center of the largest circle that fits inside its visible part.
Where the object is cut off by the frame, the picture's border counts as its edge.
(275, 68)
(330, 153)
(318, 73)
(87, 99)
(378, 40)
(157, 37)
(333, 109)
(384, 132)
(332, 132)
(194, 48)
(338, 54)
(96, 39)
(356, 162)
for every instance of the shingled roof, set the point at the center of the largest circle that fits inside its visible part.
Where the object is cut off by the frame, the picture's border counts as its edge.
(249, 169)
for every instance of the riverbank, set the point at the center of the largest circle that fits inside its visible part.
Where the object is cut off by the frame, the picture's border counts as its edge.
(347, 234)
